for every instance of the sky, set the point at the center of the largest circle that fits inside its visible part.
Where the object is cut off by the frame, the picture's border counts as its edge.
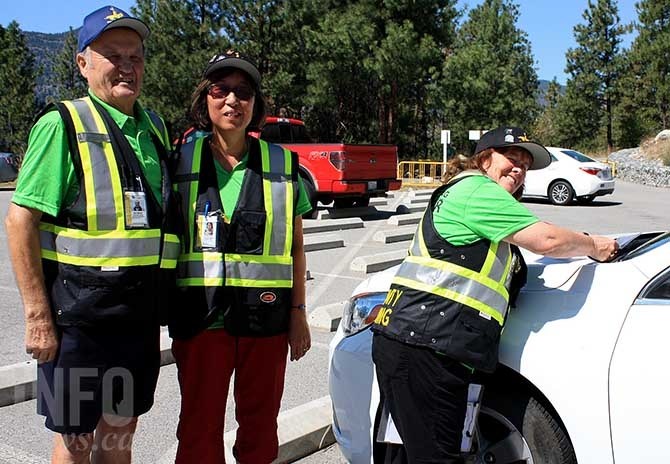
(548, 23)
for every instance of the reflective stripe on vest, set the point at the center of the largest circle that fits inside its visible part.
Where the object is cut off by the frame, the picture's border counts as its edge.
(106, 242)
(484, 291)
(240, 270)
(273, 268)
(159, 128)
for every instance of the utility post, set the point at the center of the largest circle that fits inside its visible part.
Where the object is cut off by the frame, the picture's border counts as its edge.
(445, 137)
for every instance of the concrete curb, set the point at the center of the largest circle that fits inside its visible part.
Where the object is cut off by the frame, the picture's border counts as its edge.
(400, 234)
(337, 224)
(323, 242)
(378, 262)
(418, 200)
(327, 317)
(404, 220)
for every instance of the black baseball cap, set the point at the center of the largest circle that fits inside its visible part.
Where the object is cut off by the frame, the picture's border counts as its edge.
(515, 137)
(105, 18)
(234, 60)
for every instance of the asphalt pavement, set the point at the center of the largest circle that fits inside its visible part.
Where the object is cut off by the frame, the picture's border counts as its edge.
(23, 438)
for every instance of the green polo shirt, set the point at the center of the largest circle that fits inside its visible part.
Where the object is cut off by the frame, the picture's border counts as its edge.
(230, 186)
(476, 208)
(48, 182)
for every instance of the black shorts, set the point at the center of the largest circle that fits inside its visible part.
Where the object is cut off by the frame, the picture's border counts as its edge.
(98, 370)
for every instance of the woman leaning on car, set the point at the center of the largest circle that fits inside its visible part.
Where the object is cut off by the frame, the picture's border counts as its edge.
(448, 302)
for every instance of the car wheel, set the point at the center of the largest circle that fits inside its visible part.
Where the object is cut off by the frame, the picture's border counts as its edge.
(311, 194)
(344, 202)
(561, 193)
(519, 429)
(585, 200)
(363, 201)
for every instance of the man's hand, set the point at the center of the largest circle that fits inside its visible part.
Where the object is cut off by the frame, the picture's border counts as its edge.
(299, 338)
(41, 339)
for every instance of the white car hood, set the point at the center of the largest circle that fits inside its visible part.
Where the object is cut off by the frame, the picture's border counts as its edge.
(549, 273)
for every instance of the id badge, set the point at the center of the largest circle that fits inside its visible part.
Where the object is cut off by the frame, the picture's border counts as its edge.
(208, 231)
(136, 209)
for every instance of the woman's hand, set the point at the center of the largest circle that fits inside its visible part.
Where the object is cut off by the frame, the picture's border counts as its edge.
(299, 338)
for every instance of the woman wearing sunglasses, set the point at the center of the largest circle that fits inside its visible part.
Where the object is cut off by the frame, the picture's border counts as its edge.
(241, 275)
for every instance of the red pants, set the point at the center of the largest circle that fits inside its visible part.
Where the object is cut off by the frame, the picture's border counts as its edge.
(205, 364)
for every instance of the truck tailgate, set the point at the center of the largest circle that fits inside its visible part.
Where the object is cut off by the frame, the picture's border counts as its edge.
(369, 162)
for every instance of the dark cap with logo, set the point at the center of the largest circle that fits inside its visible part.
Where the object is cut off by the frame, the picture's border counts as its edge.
(233, 60)
(515, 137)
(105, 18)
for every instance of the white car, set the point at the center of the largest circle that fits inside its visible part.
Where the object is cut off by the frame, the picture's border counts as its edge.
(583, 370)
(571, 175)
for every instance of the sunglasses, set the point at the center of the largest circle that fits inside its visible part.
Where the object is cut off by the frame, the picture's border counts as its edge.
(221, 91)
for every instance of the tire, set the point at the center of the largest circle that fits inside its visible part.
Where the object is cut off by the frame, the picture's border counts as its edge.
(363, 201)
(561, 193)
(517, 428)
(344, 202)
(311, 194)
(585, 200)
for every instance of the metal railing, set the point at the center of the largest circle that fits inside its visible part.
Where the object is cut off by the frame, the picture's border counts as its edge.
(424, 173)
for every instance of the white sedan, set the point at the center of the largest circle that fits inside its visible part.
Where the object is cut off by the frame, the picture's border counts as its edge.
(583, 368)
(571, 175)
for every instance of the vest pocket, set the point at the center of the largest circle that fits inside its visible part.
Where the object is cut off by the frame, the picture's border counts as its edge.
(476, 338)
(83, 295)
(258, 312)
(250, 231)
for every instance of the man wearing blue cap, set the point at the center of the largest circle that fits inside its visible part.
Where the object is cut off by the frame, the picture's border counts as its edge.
(89, 263)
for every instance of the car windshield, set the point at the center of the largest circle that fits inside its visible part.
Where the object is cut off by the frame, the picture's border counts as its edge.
(575, 155)
(642, 244)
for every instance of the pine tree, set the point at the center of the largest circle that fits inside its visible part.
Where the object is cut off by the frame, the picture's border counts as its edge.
(69, 81)
(17, 99)
(650, 63)
(594, 67)
(184, 36)
(544, 128)
(372, 67)
(489, 80)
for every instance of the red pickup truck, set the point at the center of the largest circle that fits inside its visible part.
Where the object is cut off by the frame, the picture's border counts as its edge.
(346, 174)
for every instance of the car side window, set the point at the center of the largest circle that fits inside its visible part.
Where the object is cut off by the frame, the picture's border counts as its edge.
(659, 288)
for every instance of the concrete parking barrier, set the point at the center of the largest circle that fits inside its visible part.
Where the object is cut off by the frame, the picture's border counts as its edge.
(381, 201)
(323, 242)
(418, 200)
(302, 431)
(17, 382)
(405, 220)
(395, 235)
(312, 227)
(327, 317)
(378, 262)
(411, 208)
(425, 193)
(337, 213)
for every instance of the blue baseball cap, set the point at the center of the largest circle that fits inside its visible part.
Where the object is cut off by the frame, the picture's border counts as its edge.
(105, 18)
